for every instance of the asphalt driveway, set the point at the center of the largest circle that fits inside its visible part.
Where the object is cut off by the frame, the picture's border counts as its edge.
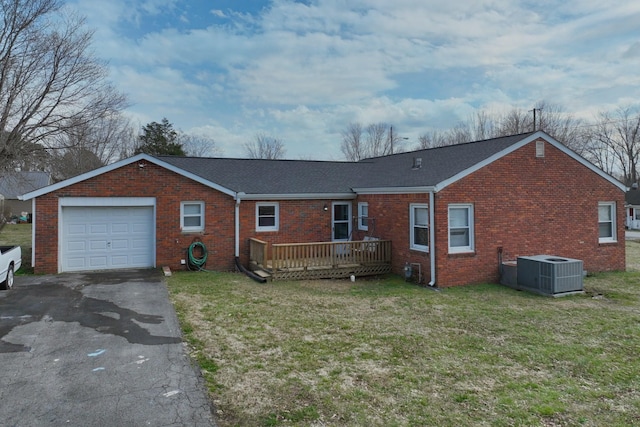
(96, 349)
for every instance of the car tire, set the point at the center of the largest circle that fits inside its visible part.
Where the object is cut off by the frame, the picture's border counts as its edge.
(8, 282)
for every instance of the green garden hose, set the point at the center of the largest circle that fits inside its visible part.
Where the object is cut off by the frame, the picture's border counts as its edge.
(197, 262)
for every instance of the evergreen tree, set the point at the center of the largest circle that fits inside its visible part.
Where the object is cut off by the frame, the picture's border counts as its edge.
(159, 139)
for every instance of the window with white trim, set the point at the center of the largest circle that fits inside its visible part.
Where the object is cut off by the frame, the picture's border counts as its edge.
(192, 216)
(419, 225)
(363, 216)
(607, 222)
(460, 228)
(267, 216)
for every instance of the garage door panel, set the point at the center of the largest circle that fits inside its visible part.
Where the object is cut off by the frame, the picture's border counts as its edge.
(122, 244)
(76, 246)
(77, 229)
(121, 228)
(120, 261)
(97, 245)
(98, 262)
(97, 238)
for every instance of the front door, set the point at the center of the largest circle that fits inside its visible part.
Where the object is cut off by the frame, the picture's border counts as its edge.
(341, 221)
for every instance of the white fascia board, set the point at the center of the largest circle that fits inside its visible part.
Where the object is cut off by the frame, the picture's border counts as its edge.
(395, 190)
(540, 134)
(113, 166)
(106, 201)
(300, 196)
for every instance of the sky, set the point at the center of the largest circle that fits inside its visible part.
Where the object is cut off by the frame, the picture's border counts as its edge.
(301, 71)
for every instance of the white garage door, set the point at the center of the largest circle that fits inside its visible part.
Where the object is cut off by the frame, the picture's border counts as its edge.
(103, 238)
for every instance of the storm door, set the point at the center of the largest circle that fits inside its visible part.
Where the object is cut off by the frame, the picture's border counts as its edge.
(341, 222)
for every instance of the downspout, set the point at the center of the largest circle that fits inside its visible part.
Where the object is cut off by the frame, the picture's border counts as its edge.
(432, 238)
(33, 233)
(237, 223)
(239, 266)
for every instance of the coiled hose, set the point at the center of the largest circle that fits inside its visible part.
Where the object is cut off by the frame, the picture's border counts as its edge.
(195, 261)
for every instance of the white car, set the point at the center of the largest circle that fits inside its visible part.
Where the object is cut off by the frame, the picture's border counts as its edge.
(10, 262)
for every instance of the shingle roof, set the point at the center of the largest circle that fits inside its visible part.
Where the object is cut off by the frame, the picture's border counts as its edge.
(17, 183)
(255, 176)
(315, 179)
(312, 177)
(438, 164)
(632, 197)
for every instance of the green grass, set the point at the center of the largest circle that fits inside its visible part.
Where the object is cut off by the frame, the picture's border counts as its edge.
(386, 353)
(18, 235)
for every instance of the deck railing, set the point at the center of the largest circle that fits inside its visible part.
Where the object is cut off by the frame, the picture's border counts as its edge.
(321, 259)
(258, 252)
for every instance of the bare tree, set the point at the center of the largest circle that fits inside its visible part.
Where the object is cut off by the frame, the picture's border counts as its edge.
(564, 127)
(549, 117)
(50, 80)
(615, 143)
(199, 145)
(514, 122)
(376, 139)
(91, 145)
(265, 147)
(352, 145)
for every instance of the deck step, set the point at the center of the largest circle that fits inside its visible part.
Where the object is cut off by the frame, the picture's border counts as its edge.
(262, 274)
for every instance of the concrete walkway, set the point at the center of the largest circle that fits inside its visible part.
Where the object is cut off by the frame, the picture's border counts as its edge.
(98, 349)
(632, 234)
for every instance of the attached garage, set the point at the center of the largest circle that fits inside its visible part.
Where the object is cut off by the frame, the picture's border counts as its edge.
(106, 233)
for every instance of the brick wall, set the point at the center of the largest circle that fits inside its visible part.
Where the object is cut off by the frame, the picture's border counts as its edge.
(524, 204)
(169, 189)
(530, 206)
(301, 221)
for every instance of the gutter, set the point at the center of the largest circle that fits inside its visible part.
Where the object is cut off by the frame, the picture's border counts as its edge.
(432, 239)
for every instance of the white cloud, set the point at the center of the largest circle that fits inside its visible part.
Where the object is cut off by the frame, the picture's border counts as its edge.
(304, 70)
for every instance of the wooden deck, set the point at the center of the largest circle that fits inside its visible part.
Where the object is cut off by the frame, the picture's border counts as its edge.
(319, 260)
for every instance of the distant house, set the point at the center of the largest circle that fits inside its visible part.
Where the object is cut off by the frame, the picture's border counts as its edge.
(14, 184)
(632, 199)
(451, 210)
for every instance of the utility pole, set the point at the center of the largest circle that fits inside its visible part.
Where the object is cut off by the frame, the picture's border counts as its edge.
(391, 138)
(534, 116)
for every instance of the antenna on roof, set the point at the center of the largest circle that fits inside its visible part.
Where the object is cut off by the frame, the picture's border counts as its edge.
(534, 116)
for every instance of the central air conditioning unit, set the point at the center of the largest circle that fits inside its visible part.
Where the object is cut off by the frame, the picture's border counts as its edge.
(549, 275)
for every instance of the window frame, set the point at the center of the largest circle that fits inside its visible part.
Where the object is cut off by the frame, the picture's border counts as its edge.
(412, 226)
(612, 211)
(363, 220)
(190, 228)
(470, 226)
(276, 216)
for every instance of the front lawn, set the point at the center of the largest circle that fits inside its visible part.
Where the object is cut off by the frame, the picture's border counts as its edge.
(386, 353)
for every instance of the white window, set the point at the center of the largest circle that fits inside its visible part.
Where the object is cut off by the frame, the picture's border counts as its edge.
(267, 215)
(363, 216)
(419, 218)
(460, 228)
(192, 216)
(607, 222)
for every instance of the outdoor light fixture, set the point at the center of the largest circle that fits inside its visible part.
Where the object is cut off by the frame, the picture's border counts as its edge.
(325, 208)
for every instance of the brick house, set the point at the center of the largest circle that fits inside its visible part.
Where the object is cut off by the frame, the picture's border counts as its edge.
(632, 200)
(449, 209)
